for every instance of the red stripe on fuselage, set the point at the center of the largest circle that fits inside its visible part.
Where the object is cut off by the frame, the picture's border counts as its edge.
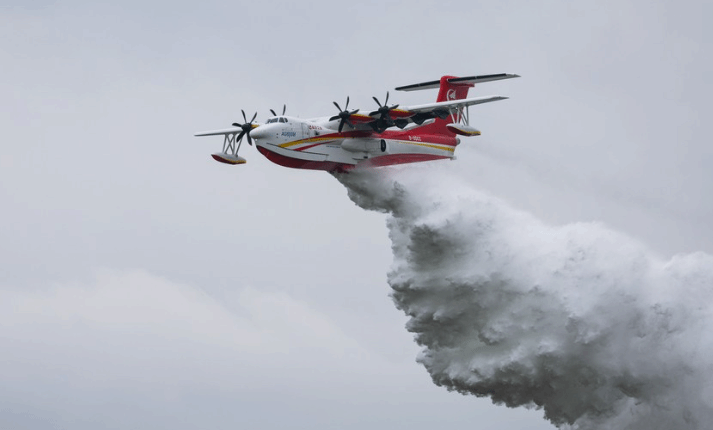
(414, 135)
(312, 146)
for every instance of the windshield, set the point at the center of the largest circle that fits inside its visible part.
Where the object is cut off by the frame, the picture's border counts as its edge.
(280, 119)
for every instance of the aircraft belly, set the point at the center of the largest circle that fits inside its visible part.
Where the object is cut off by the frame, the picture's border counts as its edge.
(337, 154)
(418, 147)
(301, 155)
(375, 148)
(332, 156)
(360, 145)
(329, 159)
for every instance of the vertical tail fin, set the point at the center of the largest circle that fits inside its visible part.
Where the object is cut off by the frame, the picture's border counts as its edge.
(448, 91)
(451, 88)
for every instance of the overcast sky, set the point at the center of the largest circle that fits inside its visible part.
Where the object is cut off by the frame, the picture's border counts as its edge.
(144, 284)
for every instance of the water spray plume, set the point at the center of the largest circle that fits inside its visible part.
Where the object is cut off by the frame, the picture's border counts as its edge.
(578, 320)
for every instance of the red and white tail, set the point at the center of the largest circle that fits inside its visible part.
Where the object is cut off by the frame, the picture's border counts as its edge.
(451, 88)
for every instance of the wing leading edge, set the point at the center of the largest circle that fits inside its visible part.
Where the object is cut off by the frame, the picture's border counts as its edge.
(436, 106)
(402, 116)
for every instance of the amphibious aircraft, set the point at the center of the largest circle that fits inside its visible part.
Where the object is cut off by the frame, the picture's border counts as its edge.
(353, 138)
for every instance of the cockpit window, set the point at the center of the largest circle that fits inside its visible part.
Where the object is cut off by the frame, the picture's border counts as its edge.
(280, 119)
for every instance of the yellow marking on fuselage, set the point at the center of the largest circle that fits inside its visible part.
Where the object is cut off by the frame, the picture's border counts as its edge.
(447, 148)
(328, 138)
(310, 140)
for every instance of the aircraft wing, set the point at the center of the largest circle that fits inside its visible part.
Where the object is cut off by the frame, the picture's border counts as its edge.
(451, 104)
(403, 115)
(233, 130)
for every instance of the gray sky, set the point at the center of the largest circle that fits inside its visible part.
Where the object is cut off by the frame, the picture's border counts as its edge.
(145, 284)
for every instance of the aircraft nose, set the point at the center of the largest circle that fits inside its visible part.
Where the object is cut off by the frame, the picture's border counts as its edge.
(261, 132)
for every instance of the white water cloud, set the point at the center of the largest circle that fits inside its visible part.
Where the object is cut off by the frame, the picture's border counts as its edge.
(578, 320)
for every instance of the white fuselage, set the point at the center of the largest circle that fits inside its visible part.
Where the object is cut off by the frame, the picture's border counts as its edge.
(318, 141)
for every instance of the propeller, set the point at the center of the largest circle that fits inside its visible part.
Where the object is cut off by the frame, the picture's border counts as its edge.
(247, 126)
(385, 121)
(284, 108)
(344, 115)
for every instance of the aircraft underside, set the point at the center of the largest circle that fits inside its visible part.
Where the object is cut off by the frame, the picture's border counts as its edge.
(363, 153)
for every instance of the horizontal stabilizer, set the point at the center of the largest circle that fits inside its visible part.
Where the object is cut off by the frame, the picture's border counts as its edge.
(469, 80)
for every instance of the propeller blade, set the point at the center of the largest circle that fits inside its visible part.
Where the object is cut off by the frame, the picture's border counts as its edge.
(250, 141)
(284, 108)
(254, 116)
(344, 115)
(386, 102)
(377, 101)
(273, 112)
(235, 124)
(240, 136)
(245, 118)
